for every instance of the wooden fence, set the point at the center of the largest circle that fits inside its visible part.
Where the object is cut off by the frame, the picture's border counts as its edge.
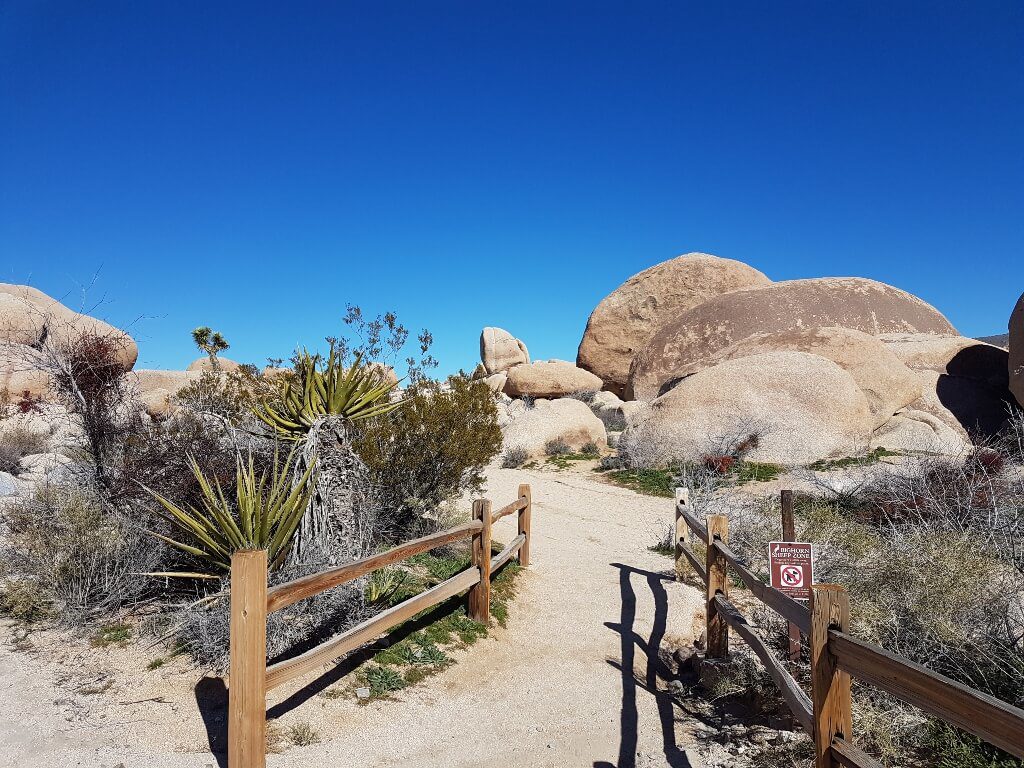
(835, 655)
(251, 601)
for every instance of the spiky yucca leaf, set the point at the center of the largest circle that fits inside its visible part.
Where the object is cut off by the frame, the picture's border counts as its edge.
(355, 393)
(264, 514)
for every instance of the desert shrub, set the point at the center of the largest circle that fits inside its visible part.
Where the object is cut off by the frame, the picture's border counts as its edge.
(79, 558)
(514, 456)
(610, 463)
(585, 396)
(590, 449)
(87, 377)
(303, 735)
(232, 396)
(16, 444)
(432, 448)
(929, 553)
(205, 625)
(557, 447)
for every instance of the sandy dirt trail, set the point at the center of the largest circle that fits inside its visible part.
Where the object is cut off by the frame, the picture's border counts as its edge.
(565, 684)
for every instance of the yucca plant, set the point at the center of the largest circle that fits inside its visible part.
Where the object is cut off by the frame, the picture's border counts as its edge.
(352, 393)
(264, 514)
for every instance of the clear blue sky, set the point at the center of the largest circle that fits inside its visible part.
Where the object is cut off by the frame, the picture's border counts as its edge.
(254, 166)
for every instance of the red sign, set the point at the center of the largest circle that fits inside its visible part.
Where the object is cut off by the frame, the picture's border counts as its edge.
(791, 568)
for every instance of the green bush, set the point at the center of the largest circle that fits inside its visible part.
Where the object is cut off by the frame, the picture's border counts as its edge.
(432, 448)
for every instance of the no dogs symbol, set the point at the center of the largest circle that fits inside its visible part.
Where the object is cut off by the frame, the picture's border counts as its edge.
(793, 577)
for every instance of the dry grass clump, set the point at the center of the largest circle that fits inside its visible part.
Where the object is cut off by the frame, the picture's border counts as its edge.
(930, 552)
(68, 555)
(16, 444)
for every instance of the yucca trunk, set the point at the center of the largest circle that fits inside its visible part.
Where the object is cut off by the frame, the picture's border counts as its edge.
(336, 526)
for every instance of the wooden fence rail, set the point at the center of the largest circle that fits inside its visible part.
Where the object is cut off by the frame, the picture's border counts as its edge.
(251, 601)
(835, 655)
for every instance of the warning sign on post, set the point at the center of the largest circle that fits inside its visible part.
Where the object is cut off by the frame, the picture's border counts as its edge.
(791, 568)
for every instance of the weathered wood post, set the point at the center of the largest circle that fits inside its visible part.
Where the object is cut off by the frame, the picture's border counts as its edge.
(480, 594)
(524, 523)
(247, 683)
(789, 534)
(830, 686)
(682, 530)
(718, 583)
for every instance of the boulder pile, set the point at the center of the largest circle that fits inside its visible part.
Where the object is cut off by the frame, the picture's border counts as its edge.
(699, 353)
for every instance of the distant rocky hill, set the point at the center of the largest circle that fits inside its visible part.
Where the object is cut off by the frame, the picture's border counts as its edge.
(1002, 340)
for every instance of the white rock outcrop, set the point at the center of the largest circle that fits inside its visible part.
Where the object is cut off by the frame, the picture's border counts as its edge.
(532, 428)
(500, 350)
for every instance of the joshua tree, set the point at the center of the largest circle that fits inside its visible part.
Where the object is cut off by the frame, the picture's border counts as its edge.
(316, 409)
(210, 342)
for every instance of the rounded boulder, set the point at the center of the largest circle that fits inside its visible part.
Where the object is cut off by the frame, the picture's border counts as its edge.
(500, 350)
(699, 333)
(625, 320)
(549, 379)
(787, 407)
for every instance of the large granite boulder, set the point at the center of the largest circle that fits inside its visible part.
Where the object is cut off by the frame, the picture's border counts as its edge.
(17, 376)
(28, 316)
(887, 383)
(500, 350)
(205, 364)
(157, 389)
(531, 428)
(913, 431)
(951, 355)
(1016, 360)
(971, 407)
(800, 407)
(625, 320)
(847, 302)
(550, 379)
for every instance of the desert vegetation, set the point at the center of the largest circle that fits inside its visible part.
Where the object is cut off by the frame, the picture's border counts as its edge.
(929, 550)
(320, 463)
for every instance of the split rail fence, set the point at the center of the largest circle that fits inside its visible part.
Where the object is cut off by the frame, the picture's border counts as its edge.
(835, 655)
(252, 600)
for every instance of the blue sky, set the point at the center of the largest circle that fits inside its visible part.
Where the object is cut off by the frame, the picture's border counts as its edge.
(256, 166)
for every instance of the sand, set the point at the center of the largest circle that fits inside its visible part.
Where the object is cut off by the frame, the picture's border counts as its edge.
(547, 690)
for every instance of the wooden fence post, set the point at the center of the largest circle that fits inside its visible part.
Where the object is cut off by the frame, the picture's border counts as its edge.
(830, 686)
(480, 594)
(524, 523)
(682, 530)
(718, 583)
(247, 684)
(789, 534)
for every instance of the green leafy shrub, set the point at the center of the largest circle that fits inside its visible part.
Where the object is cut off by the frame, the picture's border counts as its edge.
(430, 449)
(383, 680)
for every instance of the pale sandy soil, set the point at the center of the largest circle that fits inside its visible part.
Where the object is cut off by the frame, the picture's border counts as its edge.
(545, 691)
